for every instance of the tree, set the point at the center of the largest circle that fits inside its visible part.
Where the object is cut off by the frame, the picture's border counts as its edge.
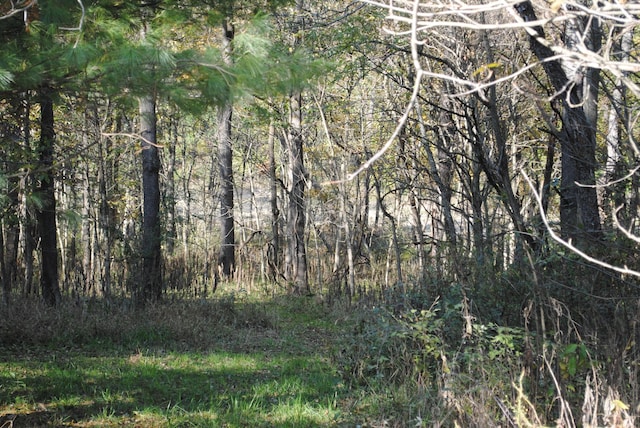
(226, 261)
(38, 59)
(47, 213)
(572, 63)
(579, 211)
(296, 254)
(232, 12)
(151, 279)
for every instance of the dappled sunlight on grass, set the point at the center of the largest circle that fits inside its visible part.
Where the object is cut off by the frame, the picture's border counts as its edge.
(241, 380)
(231, 387)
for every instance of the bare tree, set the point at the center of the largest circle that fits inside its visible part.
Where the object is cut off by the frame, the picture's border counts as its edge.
(572, 42)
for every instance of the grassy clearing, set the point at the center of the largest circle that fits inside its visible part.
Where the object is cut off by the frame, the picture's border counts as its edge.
(225, 362)
(247, 361)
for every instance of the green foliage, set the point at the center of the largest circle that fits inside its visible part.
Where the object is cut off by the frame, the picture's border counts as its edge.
(573, 358)
(497, 342)
(63, 13)
(391, 348)
(6, 78)
(294, 70)
(79, 56)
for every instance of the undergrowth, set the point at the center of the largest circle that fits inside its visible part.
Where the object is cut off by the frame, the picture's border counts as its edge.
(413, 358)
(442, 364)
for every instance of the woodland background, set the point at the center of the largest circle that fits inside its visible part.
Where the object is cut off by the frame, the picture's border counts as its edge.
(155, 152)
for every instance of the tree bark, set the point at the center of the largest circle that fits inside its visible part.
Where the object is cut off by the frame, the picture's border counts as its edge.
(11, 228)
(170, 190)
(106, 215)
(47, 226)
(348, 232)
(274, 257)
(297, 269)
(87, 266)
(579, 211)
(151, 280)
(226, 260)
(443, 182)
(618, 114)
(3, 268)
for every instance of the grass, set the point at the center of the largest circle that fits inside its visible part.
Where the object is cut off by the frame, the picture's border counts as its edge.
(241, 360)
(228, 362)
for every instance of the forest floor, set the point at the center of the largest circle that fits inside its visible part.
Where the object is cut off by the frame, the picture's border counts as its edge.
(230, 361)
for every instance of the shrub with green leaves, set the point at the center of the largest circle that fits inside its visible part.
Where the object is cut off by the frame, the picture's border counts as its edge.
(392, 347)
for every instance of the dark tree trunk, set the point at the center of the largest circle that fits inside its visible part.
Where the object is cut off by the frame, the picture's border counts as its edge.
(11, 229)
(151, 280)
(227, 259)
(30, 233)
(579, 211)
(47, 214)
(170, 192)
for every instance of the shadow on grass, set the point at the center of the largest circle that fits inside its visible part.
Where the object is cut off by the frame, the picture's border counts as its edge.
(169, 390)
(247, 379)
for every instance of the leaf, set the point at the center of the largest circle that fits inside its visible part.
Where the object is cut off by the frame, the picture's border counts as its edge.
(572, 366)
(619, 405)
(486, 67)
(570, 349)
(6, 77)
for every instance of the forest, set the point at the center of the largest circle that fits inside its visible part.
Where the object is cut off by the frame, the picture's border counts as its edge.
(319, 213)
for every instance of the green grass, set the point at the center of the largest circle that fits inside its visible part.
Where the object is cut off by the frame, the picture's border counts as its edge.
(229, 362)
(240, 360)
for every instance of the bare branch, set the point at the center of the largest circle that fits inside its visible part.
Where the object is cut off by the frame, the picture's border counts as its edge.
(80, 22)
(18, 8)
(414, 95)
(567, 244)
(423, 16)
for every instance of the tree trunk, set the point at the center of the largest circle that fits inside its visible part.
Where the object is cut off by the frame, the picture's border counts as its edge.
(297, 269)
(579, 211)
(443, 181)
(347, 221)
(105, 176)
(87, 266)
(477, 200)
(11, 228)
(47, 226)
(151, 279)
(274, 256)
(408, 170)
(170, 191)
(3, 268)
(618, 114)
(226, 260)
(394, 242)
